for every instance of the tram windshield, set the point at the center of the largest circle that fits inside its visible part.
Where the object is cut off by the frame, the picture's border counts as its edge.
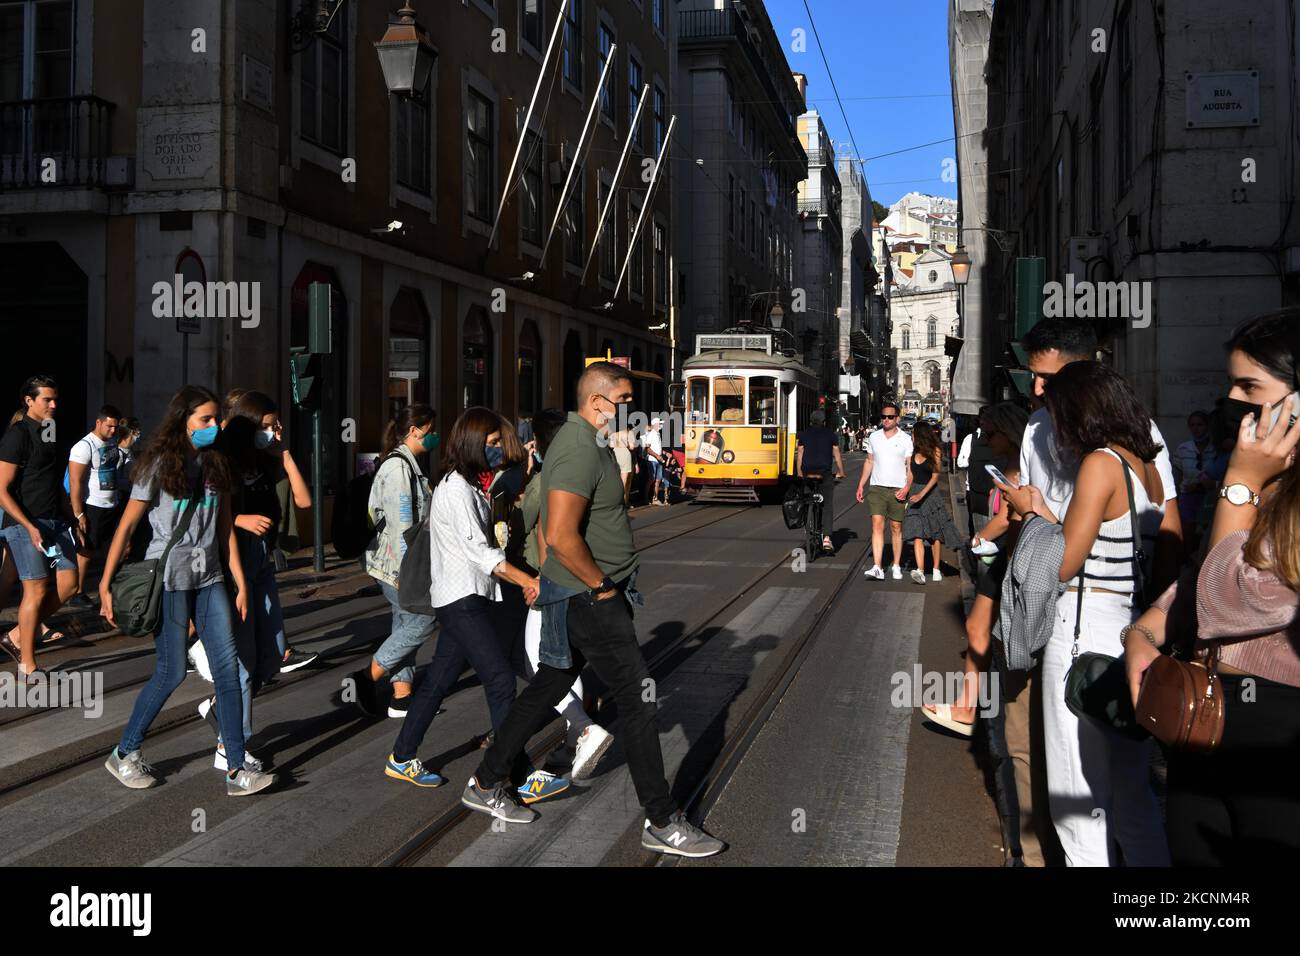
(728, 400)
(762, 400)
(698, 403)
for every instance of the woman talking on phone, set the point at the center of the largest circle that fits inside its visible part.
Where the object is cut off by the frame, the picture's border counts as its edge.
(1240, 804)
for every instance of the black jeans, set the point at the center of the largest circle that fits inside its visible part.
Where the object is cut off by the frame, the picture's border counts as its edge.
(602, 634)
(467, 636)
(1240, 805)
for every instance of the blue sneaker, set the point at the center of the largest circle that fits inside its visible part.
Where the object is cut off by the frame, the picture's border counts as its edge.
(412, 771)
(541, 785)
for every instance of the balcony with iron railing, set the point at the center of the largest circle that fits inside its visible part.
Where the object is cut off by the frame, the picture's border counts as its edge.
(72, 131)
(698, 27)
(824, 207)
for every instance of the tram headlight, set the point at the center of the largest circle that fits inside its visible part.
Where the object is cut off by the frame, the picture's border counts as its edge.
(755, 471)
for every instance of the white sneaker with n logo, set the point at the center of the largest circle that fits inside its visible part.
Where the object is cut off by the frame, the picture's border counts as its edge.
(680, 838)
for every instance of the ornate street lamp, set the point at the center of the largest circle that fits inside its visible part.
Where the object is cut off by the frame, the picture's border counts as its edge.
(406, 54)
(961, 265)
(776, 316)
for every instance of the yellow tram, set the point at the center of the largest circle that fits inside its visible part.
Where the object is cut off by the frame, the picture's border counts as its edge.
(745, 401)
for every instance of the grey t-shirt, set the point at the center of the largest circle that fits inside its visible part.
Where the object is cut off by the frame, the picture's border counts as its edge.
(195, 561)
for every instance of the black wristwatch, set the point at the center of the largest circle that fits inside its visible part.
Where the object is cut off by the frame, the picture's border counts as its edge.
(606, 584)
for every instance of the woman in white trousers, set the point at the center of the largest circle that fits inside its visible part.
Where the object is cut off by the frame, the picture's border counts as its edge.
(1099, 782)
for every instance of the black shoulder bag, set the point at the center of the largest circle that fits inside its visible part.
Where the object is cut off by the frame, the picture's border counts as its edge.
(1096, 686)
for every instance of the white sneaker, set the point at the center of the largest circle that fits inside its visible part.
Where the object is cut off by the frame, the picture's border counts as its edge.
(936, 575)
(896, 573)
(918, 576)
(593, 743)
(250, 762)
(199, 658)
(874, 573)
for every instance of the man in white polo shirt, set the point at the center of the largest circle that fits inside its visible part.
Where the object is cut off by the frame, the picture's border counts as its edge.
(889, 469)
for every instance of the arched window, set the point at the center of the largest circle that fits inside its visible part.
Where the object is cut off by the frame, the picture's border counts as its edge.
(932, 333)
(934, 277)
(408, 351)
(530, 370)
(907, 337)
(932, 376)
(906, 372)
(476, 355)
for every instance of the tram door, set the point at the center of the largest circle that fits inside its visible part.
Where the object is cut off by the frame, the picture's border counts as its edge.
(790, 401)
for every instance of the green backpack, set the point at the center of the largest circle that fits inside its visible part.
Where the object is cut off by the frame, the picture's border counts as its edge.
(137, 587)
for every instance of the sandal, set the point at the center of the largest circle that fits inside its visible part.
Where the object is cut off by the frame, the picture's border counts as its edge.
(7, 643)
(942, 715)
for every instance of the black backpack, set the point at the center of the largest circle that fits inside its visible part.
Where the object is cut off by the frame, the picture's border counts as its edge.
(352, 531)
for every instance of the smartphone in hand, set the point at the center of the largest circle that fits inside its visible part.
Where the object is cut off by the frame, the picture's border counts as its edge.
(997, 475)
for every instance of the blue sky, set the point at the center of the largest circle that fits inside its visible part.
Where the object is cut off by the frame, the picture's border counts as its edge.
(889, 61)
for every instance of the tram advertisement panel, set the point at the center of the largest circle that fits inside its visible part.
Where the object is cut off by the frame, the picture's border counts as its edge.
(738, 453)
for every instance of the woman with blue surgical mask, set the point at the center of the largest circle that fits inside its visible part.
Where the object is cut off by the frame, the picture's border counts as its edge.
(251, 441)
(180, 478)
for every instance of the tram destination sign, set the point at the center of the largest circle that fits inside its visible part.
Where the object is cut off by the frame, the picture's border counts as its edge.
(706, 343)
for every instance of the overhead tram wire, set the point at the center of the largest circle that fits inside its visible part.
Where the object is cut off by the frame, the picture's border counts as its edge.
(830, 76)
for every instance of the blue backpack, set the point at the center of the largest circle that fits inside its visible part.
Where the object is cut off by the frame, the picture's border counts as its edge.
(110, 457)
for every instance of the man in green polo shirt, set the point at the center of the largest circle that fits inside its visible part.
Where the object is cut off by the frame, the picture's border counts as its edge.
(589, 559)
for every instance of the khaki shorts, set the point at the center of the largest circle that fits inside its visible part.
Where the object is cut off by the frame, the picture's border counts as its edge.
(881, 501)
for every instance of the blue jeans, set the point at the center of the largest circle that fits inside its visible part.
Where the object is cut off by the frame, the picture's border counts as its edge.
(210, 609)
(259, 636)
(467, 636)
(397, 654)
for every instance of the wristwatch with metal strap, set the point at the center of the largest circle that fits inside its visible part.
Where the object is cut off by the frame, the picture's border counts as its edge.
(1239, 494)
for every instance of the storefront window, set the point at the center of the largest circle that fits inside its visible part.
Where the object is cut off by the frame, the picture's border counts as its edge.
(762, 401)
(728, 400)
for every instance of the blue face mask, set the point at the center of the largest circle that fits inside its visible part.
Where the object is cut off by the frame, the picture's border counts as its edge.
(262, 440)
(494, 456)
(430, 441)
(204, 437)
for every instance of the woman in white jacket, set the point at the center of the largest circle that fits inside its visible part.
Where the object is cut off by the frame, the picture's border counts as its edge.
(466, 567)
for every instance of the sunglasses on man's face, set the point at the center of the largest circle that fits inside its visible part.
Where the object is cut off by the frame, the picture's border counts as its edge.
(890, 417)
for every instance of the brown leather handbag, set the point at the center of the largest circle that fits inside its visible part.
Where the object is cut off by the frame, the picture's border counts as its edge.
(1181, 703)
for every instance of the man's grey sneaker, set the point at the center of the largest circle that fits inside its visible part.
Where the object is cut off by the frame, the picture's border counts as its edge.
(498, 801)
(918, 576)
(245, 781)
(131, 770)
(680, 838)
